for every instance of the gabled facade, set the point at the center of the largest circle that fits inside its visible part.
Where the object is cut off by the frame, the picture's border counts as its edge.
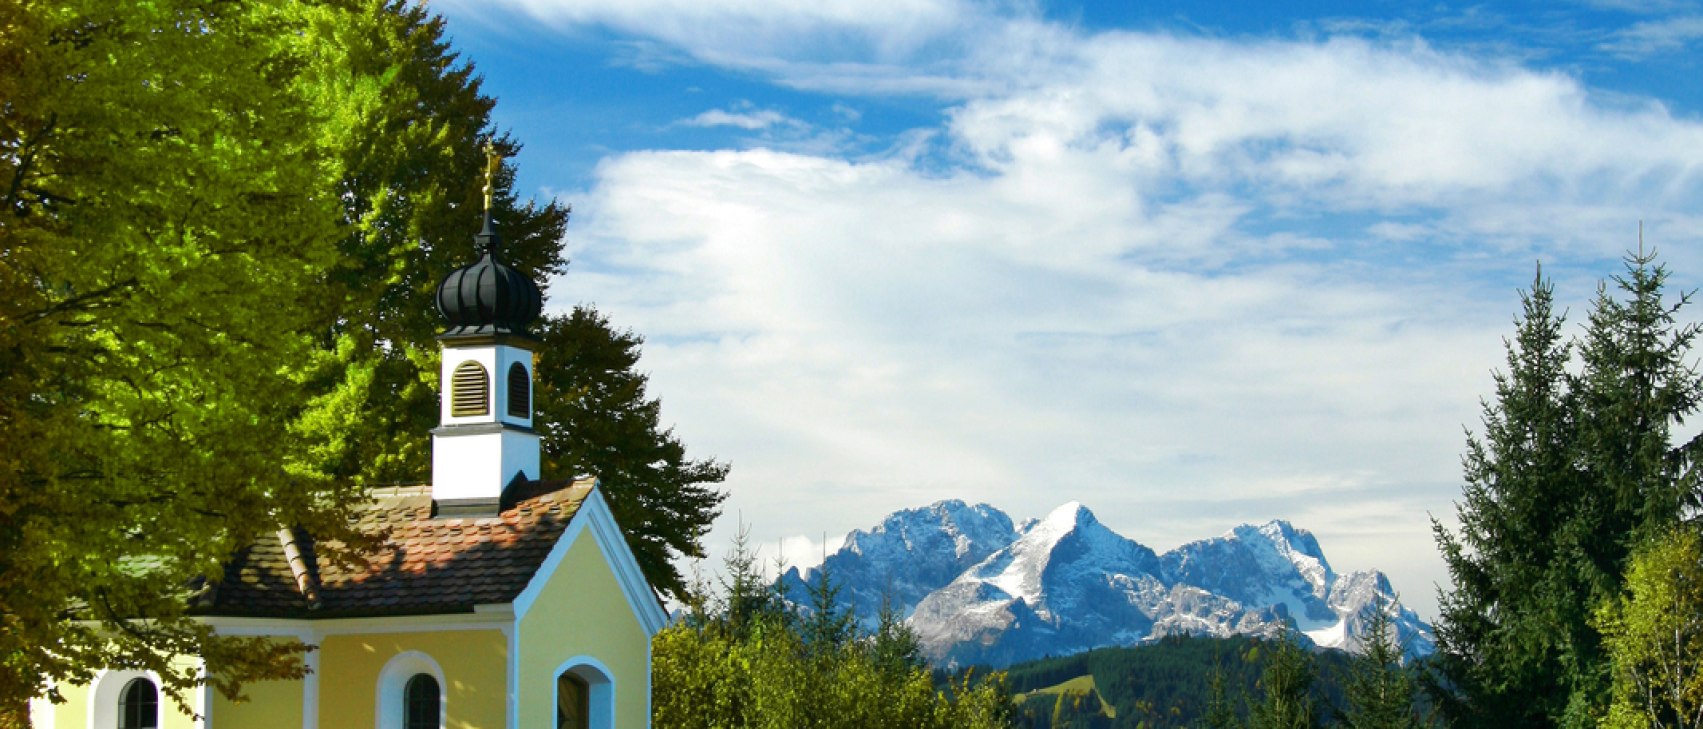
(504, 613)
(499, 600)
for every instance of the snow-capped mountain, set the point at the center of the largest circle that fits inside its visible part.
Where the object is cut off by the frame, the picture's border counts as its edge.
(1067, 585)
(908, 555)
(979, 591)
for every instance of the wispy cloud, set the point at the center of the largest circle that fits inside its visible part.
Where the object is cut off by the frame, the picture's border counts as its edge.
(744, 32)
(1651, 37)
(1187, 280)
(749, 120)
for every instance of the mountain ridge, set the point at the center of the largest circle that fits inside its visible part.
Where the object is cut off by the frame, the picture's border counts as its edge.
(978, 589)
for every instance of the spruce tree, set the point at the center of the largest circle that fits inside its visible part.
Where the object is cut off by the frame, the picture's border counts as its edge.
(1219, 713)
(828, 626)
(1495, 642)
(1286, 699)
(1379, 689)
(1635, 385)
(1572, 470)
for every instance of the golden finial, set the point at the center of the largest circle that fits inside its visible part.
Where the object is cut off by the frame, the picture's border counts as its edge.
(493, 161)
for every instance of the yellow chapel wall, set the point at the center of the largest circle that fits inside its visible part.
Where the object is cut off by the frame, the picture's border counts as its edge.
(74, 712)
(474, 664)
(581, 611)
(265, 705)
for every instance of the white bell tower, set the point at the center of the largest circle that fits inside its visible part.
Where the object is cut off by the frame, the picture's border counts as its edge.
(484, 441)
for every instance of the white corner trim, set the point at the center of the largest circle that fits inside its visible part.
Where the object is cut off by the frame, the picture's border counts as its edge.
(310, 689)
(205, 696)
(43, 714)
(512, 632)
(594, 515)
(650, 660)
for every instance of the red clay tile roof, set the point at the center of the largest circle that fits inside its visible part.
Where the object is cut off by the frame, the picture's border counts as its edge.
(427, 565)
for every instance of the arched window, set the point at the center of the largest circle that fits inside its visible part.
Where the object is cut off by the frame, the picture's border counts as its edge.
(470, 390)
(420, 703)
(585, 695)
(573, 702)
(520, 391)
(410, 692)
(139, 705)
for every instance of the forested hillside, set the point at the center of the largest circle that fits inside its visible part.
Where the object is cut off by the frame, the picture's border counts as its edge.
(1171, 684)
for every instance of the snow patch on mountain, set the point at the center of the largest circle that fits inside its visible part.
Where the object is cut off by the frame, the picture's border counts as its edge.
(977, 589)
(908, 555)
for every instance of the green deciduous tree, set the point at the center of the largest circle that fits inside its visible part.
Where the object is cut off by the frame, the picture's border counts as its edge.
(1571, 471)
(743, 662)
(404, 118)
(166, 229)
(1654, 635)
(595, 417)
(222, 226)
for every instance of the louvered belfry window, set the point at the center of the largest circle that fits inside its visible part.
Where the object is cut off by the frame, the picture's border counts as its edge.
(520, 391)
(470, 390)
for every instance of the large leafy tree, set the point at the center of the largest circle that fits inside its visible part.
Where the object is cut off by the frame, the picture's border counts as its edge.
(222, 226)
(166, 230)
(1572, 472)
(746, 661)
(595, 417)
(405, 119)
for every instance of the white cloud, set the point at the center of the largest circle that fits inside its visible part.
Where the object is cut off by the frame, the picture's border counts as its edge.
(749, 120)
(1650, 37)
(1188, 281)
(743, 32)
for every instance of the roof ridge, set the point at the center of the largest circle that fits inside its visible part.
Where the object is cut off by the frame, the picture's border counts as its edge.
(301, 567)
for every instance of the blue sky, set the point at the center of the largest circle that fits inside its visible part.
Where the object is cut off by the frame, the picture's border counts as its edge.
(1193, 264)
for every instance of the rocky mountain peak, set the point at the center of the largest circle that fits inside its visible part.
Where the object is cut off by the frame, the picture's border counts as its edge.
(977, 589)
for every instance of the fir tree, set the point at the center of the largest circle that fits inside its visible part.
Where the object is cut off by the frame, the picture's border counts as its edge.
(1220, 714)
(1571, 472)
(1379, 690)
(1495, 643)
(1286, 685)
(828, 627)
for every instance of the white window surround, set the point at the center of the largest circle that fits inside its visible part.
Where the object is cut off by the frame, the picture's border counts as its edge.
(108, 688)
(599, 679)
(394, 679)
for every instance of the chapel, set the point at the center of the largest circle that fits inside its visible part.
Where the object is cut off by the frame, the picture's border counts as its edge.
(500, 598)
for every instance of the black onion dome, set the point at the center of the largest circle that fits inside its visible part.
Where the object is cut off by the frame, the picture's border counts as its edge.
(489, 296)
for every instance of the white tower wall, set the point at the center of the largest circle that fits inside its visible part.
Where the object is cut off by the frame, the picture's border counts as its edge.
(474, 457)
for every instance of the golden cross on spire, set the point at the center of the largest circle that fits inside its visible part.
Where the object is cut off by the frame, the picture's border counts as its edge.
(493, 161)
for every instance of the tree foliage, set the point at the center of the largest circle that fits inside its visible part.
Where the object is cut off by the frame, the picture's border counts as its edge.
(405, 118)
(1286, 699)
(1379, 690)
(594, 416)
(166, 228)
(1573, 469)
(1654, 635)
(747, 661)
(222, 226)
